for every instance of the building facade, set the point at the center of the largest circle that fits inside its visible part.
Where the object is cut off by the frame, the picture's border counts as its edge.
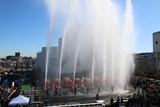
(53, 56)
(156, 47)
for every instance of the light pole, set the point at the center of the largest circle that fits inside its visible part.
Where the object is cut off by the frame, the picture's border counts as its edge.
(35, 89)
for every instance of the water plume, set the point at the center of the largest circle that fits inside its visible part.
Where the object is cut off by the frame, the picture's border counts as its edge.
(97, 38)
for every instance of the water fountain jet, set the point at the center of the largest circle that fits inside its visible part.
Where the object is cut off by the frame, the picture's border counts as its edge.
(104, 39)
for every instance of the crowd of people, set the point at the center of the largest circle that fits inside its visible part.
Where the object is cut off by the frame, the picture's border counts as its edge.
(147, 94)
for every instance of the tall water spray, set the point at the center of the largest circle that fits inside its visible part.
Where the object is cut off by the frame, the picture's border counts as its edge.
(48, 50)
(103, 42)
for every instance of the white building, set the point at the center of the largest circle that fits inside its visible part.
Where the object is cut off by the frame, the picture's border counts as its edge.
(53, 58)
(156, 47)
(70, 59)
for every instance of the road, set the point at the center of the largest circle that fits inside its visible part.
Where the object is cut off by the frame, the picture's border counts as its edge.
(66, 95)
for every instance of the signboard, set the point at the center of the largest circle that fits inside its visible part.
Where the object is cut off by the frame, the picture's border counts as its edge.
(5, 85)
(5, 89)
(26, 87)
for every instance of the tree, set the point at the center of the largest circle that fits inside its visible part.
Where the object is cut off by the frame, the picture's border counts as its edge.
(145, 67)
(35, 76)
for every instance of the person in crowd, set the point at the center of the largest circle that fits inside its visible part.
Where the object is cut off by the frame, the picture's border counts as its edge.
(2, 100)
(99, 89)
(125, 87)
(121, 100)
(135, 87)
(87, 90)
(56, 91)
(112, 88)
(97, 96)
(45, 103)
(118, 101)
(75, 90)
(111, 100)
(47, 91)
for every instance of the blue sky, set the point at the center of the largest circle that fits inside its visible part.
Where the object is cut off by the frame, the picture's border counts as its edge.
(24, 25)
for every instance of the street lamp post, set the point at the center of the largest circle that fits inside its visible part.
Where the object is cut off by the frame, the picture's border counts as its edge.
(35, 89)
(35, 93)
